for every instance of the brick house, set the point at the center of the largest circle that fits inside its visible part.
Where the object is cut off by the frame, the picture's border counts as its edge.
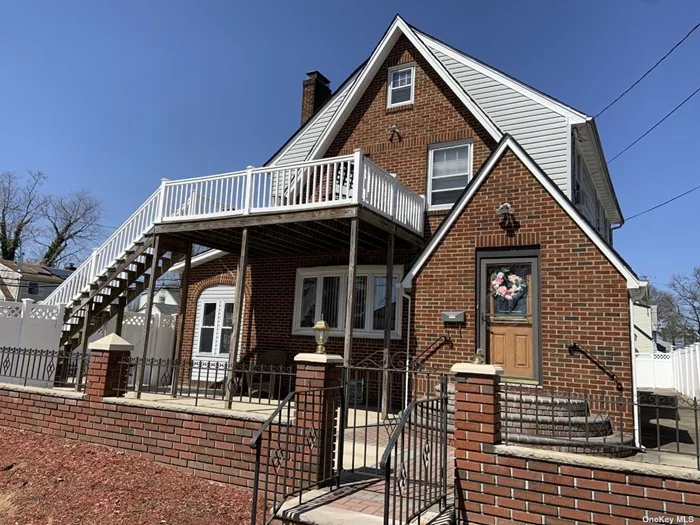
(470, 139)
(486, 203)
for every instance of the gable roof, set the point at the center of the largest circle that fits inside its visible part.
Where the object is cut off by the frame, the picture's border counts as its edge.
(509, 143)
(397, 28)
(37, 272)
(501, 103)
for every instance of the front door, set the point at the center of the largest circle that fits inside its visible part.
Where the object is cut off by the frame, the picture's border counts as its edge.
(509, 314)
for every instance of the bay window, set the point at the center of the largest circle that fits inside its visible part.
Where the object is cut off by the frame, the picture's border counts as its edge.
(322, 293)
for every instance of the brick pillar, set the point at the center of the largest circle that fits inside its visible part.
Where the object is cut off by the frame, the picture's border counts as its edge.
(477, 430)
(318, 379)
(106, 377)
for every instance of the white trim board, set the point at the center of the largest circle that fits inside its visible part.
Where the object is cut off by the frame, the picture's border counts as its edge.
(197, 260)
(508, 142)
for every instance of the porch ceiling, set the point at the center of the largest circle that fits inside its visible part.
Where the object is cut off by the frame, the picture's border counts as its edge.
(303, 232)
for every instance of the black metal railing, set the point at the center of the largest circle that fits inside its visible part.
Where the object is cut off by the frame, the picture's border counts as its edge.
(295, 450)
(655, 428)
(208, 380)
(415, 461)
(43, 368)
(376, 399)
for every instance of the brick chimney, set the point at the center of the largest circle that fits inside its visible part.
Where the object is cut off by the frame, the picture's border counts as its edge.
(315, 92)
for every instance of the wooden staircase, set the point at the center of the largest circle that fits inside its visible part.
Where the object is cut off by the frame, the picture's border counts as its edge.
(119, 285)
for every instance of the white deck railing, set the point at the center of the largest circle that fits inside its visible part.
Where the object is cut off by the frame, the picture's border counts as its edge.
(310, 185)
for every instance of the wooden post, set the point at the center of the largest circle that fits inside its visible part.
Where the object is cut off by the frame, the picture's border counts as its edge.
(149, 313)
(388, 316)
(350, 302)
(182, 317)
(237, 316)
(87, 320)
(121, 305)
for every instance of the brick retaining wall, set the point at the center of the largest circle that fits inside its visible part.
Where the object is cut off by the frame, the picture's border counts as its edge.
(209, 446)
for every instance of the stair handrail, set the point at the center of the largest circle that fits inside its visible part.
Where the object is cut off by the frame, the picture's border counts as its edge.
(89, 269)
(385, 464)
(576, 348)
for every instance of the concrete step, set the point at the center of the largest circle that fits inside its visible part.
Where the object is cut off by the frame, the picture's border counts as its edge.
(612, 446)
(592, 425)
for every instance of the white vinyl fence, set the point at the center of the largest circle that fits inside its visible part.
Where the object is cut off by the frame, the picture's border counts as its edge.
(29, 325)
(654, 370)
(161, 340)
(678, 370)
(686, 370)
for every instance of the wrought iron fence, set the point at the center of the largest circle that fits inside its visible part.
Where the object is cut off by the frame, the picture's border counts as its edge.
(415, 460)
(604, 423)
(292, 454)
(208, 380)
(43, 368)
(376, 399)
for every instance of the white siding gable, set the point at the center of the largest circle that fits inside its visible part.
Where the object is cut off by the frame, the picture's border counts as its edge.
(300, 147)
(541, 131)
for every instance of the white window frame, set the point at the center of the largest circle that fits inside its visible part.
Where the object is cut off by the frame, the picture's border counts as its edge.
(447, 145)
(371, 272)
(389, 88)
(221, 295)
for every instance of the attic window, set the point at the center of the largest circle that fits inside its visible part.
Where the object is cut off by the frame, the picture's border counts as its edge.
(400, 85)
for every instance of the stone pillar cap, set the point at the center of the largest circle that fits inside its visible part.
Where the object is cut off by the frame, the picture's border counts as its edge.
(319, 359)
(473, 368)
(111, 342)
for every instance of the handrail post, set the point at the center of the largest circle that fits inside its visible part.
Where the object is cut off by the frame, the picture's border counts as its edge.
(359, 162)
(93, 264)
(161, 202)
(256, 482)
(248, 190)
(394, 195)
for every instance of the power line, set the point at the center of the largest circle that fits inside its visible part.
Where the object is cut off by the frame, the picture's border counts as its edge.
(663, 203)
(649, 71)
(655, 125)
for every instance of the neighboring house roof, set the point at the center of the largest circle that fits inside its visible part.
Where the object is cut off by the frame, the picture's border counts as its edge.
(163, 308)
(37, 272)
(509, 143)
(663, 346)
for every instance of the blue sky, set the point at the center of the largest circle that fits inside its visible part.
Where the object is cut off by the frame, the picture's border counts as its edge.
(113, 96)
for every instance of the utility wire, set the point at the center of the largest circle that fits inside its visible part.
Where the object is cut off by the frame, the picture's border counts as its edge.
(649, 71)
(663, 203)
(656, 125)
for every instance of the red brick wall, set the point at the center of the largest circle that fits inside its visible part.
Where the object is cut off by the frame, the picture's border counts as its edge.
(495, 484)
(436, 116)
(216, 448)
(506, 489)
(583, 297)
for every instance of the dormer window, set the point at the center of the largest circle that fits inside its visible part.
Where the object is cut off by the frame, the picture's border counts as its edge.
(400, 85)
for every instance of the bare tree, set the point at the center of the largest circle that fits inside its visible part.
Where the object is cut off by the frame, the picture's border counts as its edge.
(21, 204)
(674, 327)
(71, 226)
(687, 289)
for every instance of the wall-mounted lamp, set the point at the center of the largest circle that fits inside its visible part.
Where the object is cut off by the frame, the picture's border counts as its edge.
(507, 214)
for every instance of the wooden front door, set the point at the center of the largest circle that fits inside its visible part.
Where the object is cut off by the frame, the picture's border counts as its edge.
(509, 292)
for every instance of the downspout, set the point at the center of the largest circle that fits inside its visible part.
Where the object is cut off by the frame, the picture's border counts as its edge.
(633, 356)
(408, 345)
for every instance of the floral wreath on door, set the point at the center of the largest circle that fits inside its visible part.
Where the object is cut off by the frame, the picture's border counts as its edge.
(507, 285)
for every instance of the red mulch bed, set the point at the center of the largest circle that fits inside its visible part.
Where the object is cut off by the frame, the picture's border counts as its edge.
(50, 480)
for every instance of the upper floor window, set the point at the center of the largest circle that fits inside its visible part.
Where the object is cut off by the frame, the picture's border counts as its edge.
(449, 171)
(400, 85)
(33, 288)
